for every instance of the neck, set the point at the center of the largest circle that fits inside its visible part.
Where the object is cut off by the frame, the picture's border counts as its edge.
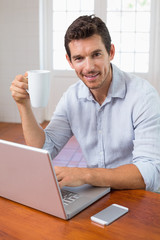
(101, 93)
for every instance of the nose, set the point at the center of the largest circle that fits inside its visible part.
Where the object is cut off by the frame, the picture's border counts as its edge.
(89, 65)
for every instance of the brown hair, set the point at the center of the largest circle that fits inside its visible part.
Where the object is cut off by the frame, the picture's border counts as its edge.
(84, 27)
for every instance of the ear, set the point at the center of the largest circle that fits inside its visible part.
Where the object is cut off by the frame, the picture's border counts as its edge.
(112, 52)
(69, 61)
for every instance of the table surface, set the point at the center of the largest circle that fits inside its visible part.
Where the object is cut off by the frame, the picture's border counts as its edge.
(18, 222)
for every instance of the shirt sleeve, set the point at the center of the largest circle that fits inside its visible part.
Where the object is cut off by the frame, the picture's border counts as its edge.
(58, 131)
(146, 153)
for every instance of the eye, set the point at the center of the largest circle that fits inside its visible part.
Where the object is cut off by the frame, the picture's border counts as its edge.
(78, 59)
(97, 54)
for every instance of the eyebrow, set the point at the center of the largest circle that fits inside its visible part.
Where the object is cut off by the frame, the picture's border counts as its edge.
(78, 56)
(97, 50)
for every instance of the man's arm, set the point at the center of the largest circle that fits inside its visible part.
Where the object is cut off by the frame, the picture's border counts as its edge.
(33, 133)
(123, 177)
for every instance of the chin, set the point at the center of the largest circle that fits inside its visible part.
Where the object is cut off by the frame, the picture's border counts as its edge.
(93, 87)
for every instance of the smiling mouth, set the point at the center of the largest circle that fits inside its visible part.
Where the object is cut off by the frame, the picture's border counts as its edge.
(91, 76)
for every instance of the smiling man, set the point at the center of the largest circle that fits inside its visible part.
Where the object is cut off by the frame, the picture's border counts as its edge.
(90, 60)
(114, 116)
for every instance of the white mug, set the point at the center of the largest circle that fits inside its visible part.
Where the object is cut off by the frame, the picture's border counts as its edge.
(39, 87)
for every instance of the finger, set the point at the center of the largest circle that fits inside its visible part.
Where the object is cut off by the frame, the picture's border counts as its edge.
(58, 173)
(20, 85)
(59, 178)
(26, 75)
(58, 169)
(18, 96)
(21, 78)
(61, 184)
(17, 89)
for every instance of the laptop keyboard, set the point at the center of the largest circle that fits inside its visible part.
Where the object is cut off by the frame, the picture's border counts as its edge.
(69, 197)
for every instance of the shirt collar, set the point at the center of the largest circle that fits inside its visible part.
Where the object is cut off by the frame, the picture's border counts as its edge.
(117, 88)
(84, 92)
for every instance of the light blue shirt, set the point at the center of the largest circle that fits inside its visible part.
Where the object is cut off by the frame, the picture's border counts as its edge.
(124, 129)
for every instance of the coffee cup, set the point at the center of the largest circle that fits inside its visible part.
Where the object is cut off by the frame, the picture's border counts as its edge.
(39, 87)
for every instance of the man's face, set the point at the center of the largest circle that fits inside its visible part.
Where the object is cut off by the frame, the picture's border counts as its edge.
(91, 61)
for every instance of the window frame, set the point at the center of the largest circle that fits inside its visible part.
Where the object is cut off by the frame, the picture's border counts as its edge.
(46, 38)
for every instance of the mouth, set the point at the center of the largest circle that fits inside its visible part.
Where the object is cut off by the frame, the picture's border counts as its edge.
(91, 77)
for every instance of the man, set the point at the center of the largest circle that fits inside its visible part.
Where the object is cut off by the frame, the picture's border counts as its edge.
(114, 116)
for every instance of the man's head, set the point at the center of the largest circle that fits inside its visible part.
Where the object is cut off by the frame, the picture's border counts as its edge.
(84, 27)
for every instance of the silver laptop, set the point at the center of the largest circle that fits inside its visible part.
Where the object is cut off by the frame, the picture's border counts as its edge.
(27, 176)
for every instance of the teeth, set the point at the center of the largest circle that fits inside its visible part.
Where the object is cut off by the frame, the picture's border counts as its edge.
(91, 76)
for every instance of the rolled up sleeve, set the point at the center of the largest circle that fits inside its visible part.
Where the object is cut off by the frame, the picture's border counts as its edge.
(146, 153)
(58, 131)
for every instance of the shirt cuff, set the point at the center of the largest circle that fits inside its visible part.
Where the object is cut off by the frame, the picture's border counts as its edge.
(150, 174)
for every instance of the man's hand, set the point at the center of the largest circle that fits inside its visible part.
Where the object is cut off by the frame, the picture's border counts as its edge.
(18, 89)
(70, 176)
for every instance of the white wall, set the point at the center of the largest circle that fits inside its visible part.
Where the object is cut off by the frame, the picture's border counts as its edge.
(59, 85)
(19, 50)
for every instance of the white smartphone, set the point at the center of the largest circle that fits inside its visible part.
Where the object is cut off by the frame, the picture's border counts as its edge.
(109, 214)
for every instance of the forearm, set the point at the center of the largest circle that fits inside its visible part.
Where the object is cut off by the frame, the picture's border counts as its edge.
(123, 177)
(33, 132)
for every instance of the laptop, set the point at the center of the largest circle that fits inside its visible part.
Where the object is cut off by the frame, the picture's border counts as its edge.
(27, 176)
